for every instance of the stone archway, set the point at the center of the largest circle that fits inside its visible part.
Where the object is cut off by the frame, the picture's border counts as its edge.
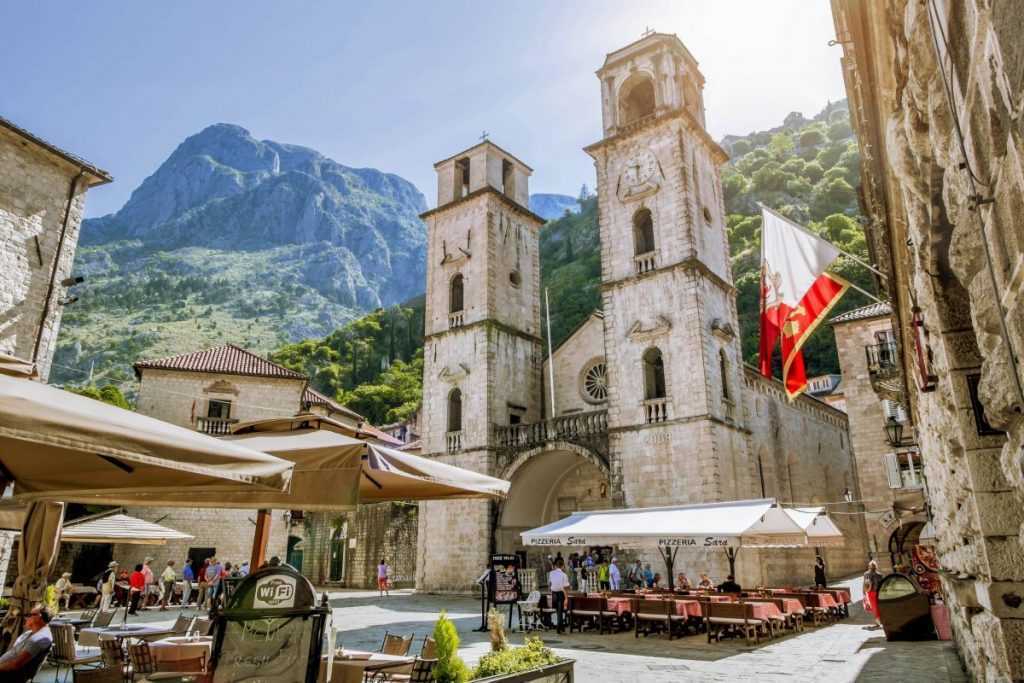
(549, 483)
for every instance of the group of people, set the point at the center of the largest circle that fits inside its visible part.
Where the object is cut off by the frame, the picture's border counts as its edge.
(142, 586)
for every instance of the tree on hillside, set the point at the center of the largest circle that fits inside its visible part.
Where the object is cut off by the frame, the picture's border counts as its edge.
(108, 394)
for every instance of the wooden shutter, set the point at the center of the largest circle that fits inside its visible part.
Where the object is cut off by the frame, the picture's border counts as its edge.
(892, 470)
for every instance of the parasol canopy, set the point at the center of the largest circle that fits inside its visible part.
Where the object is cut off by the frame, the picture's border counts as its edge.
(819, 527)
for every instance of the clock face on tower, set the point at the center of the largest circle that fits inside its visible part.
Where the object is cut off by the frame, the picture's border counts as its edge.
(640, 174)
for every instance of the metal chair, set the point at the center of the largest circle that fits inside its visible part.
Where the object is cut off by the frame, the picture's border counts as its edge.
(67, 653)
(529, 611)
(182, 624)
(88, 615)
(103, 619)
(113, 657)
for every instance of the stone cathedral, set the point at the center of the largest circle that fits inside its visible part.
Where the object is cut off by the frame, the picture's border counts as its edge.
(651, 402)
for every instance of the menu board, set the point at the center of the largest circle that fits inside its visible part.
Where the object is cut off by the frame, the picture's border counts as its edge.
(257, 650)
(504, 579)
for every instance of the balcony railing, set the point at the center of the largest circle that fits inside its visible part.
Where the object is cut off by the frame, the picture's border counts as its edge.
(645, 262)
(455, 319)
(655, 410)
(561, 428)
(454, 440)
(217, 426)
(885, 370)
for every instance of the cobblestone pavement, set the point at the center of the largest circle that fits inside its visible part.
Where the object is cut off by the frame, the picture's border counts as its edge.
(847, 651)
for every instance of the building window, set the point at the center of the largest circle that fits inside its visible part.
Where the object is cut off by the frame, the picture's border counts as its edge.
(455, 411)
(594, 381)
(654, 374)
(455, 298)
(515, 279)
(723, 368)
(904, 470)
(707, 215)
(636, 98)
(219, 409)
(508, 179)
(461, 180)
(643, 232)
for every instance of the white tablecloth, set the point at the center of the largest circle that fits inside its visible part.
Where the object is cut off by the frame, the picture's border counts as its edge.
(175, 649)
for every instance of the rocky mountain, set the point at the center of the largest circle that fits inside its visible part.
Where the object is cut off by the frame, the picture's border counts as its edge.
(552, 206)
(234, 238)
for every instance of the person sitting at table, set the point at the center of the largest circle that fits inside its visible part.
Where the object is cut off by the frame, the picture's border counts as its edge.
(34, 642)
(63, 588)
(705, 583)
(137, 583)
(656, 580)
(729, 585)
(682, 583)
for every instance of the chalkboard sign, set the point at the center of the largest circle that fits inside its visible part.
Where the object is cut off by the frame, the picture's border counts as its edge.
(504, 579)
(271, 630)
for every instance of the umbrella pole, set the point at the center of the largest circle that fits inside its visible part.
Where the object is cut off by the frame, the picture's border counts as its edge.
(260, 540)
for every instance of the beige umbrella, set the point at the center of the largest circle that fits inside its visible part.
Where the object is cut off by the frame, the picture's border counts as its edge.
(55, 445)
(37, 553)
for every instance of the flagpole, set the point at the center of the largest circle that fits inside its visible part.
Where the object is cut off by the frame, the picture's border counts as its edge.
(551, 354)
(847, 254)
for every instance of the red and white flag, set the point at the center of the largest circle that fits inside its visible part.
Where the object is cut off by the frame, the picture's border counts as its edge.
(796, 294)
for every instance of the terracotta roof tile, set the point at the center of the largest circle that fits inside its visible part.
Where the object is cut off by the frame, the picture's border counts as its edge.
(226, 360)
(875, 310)
(313, 397)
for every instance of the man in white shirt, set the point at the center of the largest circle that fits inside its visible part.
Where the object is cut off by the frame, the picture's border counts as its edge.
(559, 583)
(614, 577)
(34, 642)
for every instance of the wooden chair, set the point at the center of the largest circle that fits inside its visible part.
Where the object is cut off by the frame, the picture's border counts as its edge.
(141, 658)
(429, 648)
(422, 672)
(395, 644)
(818, 615)
(101, 675)
(67, 653)
(650, 616)
(721, 615)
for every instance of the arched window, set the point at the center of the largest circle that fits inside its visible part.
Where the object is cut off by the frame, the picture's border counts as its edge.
(455, 411)
(643, 232)
(455, 294)
(723, 368)
(654, 374)
(636, 98)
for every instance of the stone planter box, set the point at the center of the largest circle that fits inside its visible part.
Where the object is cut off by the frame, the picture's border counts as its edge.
(552, 673)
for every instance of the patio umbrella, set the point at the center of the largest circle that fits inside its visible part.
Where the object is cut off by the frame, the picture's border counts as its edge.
(37, 553)
(820, 529)
(55, 445)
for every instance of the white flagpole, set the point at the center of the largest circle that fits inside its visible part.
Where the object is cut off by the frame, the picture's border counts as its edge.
(551, 351)
(804, 230)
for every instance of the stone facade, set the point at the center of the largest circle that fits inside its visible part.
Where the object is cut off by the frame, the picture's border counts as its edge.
(42, 199)
(935, 92)
(681, 420)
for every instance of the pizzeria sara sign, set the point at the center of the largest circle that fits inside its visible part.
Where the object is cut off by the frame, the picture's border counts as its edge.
(669, 542)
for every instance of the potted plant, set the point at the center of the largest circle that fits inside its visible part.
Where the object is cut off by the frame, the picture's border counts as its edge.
(530, 662)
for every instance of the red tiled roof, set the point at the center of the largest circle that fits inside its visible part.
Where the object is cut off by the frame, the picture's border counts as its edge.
(313, 397)
(226, 360)
(379, 435)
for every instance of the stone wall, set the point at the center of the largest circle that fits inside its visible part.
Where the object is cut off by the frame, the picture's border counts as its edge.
(584, 347)
(34, 187)
(935, 91)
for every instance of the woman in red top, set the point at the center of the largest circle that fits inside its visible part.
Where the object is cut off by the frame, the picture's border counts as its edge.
(138, 584)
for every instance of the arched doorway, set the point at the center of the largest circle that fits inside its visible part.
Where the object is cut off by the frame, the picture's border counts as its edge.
(294, 555)
(548, 484)
(339, 542)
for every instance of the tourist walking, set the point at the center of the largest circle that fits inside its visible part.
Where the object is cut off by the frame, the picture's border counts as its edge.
(204, 587)
(151, 586)
(243, 571)
(214, 582)
(648, 576)
(819, 572)
(167, 578)
(574, 568)
(602, 575)
(107, 586)
(614, 577)
(558, 582)
(136, 589)
(383, 572)
(63, 588)
(872, 579)
(188, 575)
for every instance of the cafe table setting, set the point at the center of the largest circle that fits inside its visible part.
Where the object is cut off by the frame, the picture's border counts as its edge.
(350, 666)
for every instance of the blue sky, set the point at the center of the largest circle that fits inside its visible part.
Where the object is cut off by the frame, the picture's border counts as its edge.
(396, 86)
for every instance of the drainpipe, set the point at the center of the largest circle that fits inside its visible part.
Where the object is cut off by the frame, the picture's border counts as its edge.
(72, 190)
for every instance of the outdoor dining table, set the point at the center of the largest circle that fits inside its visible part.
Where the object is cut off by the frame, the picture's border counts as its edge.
(91, 636)
(764, 610)
(688, 608)
(620, 605)
(791, 605)
(821, 600)
(168, 651)
(350, 666)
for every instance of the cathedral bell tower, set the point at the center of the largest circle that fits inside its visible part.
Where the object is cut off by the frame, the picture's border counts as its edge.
(482, 344)
(675, 416)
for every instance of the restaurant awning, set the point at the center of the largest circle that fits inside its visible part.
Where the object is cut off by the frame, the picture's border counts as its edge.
(820, 529)
(759, 523)
(56, 445)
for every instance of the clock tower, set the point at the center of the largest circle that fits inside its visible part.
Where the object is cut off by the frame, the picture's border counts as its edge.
(675, 417)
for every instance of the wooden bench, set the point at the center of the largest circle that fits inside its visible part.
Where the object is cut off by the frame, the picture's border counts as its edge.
(650, 616)
(719, 616)
(584, 611)
(817, 615)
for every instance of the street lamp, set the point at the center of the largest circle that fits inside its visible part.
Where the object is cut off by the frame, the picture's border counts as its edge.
(894, 431)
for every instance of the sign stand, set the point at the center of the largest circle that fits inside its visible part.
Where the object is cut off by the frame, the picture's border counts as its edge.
(504, 587)
(483, 582)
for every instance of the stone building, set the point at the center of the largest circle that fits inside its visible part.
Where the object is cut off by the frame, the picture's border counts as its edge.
(935, 91)
(42, 199)
(652, 402)
(889, 465)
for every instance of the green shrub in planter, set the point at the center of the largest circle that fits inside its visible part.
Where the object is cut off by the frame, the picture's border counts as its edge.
(450, 667)
(532, 655)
